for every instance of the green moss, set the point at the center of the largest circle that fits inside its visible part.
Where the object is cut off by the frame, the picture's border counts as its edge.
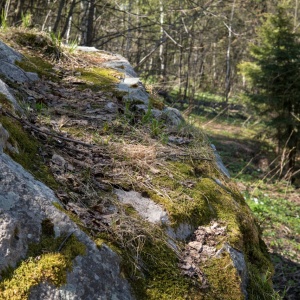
(69, 246)
(5, 103)
(31, 38)
(99, 79)
(152, 269)
(224, 282)
(48, 44)
(260, 285)
(28, 148)
(129, 210)
(189, 194)
(186, 198)
(197, 201)
(225, 209)
(44, 263)
(37, 65)
(48, 267)
(163, 277)
(156, 102)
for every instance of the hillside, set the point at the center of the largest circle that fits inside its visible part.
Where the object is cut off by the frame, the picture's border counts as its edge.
(106, 193)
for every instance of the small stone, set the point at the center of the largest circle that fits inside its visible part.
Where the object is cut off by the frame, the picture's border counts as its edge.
(196, 245)
(111, 107)
(58, 160)
(186, 266)
(215, 225)
(70, 167)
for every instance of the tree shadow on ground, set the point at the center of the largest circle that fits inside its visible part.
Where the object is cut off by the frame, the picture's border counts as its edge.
(287, 277)
(240, 155)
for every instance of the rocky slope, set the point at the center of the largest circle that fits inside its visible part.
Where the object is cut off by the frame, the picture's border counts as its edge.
(106, 193)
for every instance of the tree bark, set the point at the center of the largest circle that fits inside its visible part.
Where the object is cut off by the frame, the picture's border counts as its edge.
(68, 20)
(58, 17)
(228, 53)
(90, 23)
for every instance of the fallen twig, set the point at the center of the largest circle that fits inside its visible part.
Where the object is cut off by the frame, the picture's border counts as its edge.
(64, 241)
(35, 128)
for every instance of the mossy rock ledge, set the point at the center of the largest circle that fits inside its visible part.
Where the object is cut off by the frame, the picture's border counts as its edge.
(106, 193)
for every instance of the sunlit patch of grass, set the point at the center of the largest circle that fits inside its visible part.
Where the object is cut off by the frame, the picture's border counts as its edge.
(280, 220)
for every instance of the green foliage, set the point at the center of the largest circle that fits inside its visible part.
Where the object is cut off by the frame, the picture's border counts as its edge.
(72, 46)
(274, 213)
(55, 48)
(274, 74)
(26, 20)
(4, 24)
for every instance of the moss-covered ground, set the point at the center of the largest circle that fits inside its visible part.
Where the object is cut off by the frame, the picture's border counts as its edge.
(250, 156)
(104, 150)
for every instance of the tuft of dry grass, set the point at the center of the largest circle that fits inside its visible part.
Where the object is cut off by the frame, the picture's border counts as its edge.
(140, 153)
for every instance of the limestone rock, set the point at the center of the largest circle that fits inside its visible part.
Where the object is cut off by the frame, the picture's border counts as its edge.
(172, 116)
(24, 203)
(135, 94)
(239, 262)
(4, 144)
(148, 209)
(4, 90)
(121, 64)
(161, 242)
(219, 162)
(8, 57)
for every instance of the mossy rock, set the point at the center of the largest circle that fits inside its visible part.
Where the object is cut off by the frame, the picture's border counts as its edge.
(28, 151)
(48, 267)
(191, 190)
(43, 264)
(37, 65)
(32, 39)
(5, 103)
(99, 79)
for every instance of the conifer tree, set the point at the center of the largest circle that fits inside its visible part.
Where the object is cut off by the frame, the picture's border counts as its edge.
(275, 77)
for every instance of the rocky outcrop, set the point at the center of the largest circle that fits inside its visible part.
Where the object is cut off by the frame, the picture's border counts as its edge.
(140, 205)
(137, 96)
(9, 69)
(25, 203)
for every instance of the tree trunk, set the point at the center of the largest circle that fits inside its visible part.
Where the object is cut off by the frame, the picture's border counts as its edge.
(58, 17)
(90, 23)
(228, 60)
(68, 20)
(161, 47)
(19, 11)
(129, 33)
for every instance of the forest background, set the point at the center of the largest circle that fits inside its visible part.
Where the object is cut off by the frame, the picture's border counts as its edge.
(191, 45)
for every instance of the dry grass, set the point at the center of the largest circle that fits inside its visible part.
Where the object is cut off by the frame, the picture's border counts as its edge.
(140, 153)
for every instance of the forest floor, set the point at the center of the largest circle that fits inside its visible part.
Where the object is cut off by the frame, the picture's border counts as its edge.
(250, 157)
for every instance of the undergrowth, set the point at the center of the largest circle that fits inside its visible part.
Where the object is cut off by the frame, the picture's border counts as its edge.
(249, 154)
